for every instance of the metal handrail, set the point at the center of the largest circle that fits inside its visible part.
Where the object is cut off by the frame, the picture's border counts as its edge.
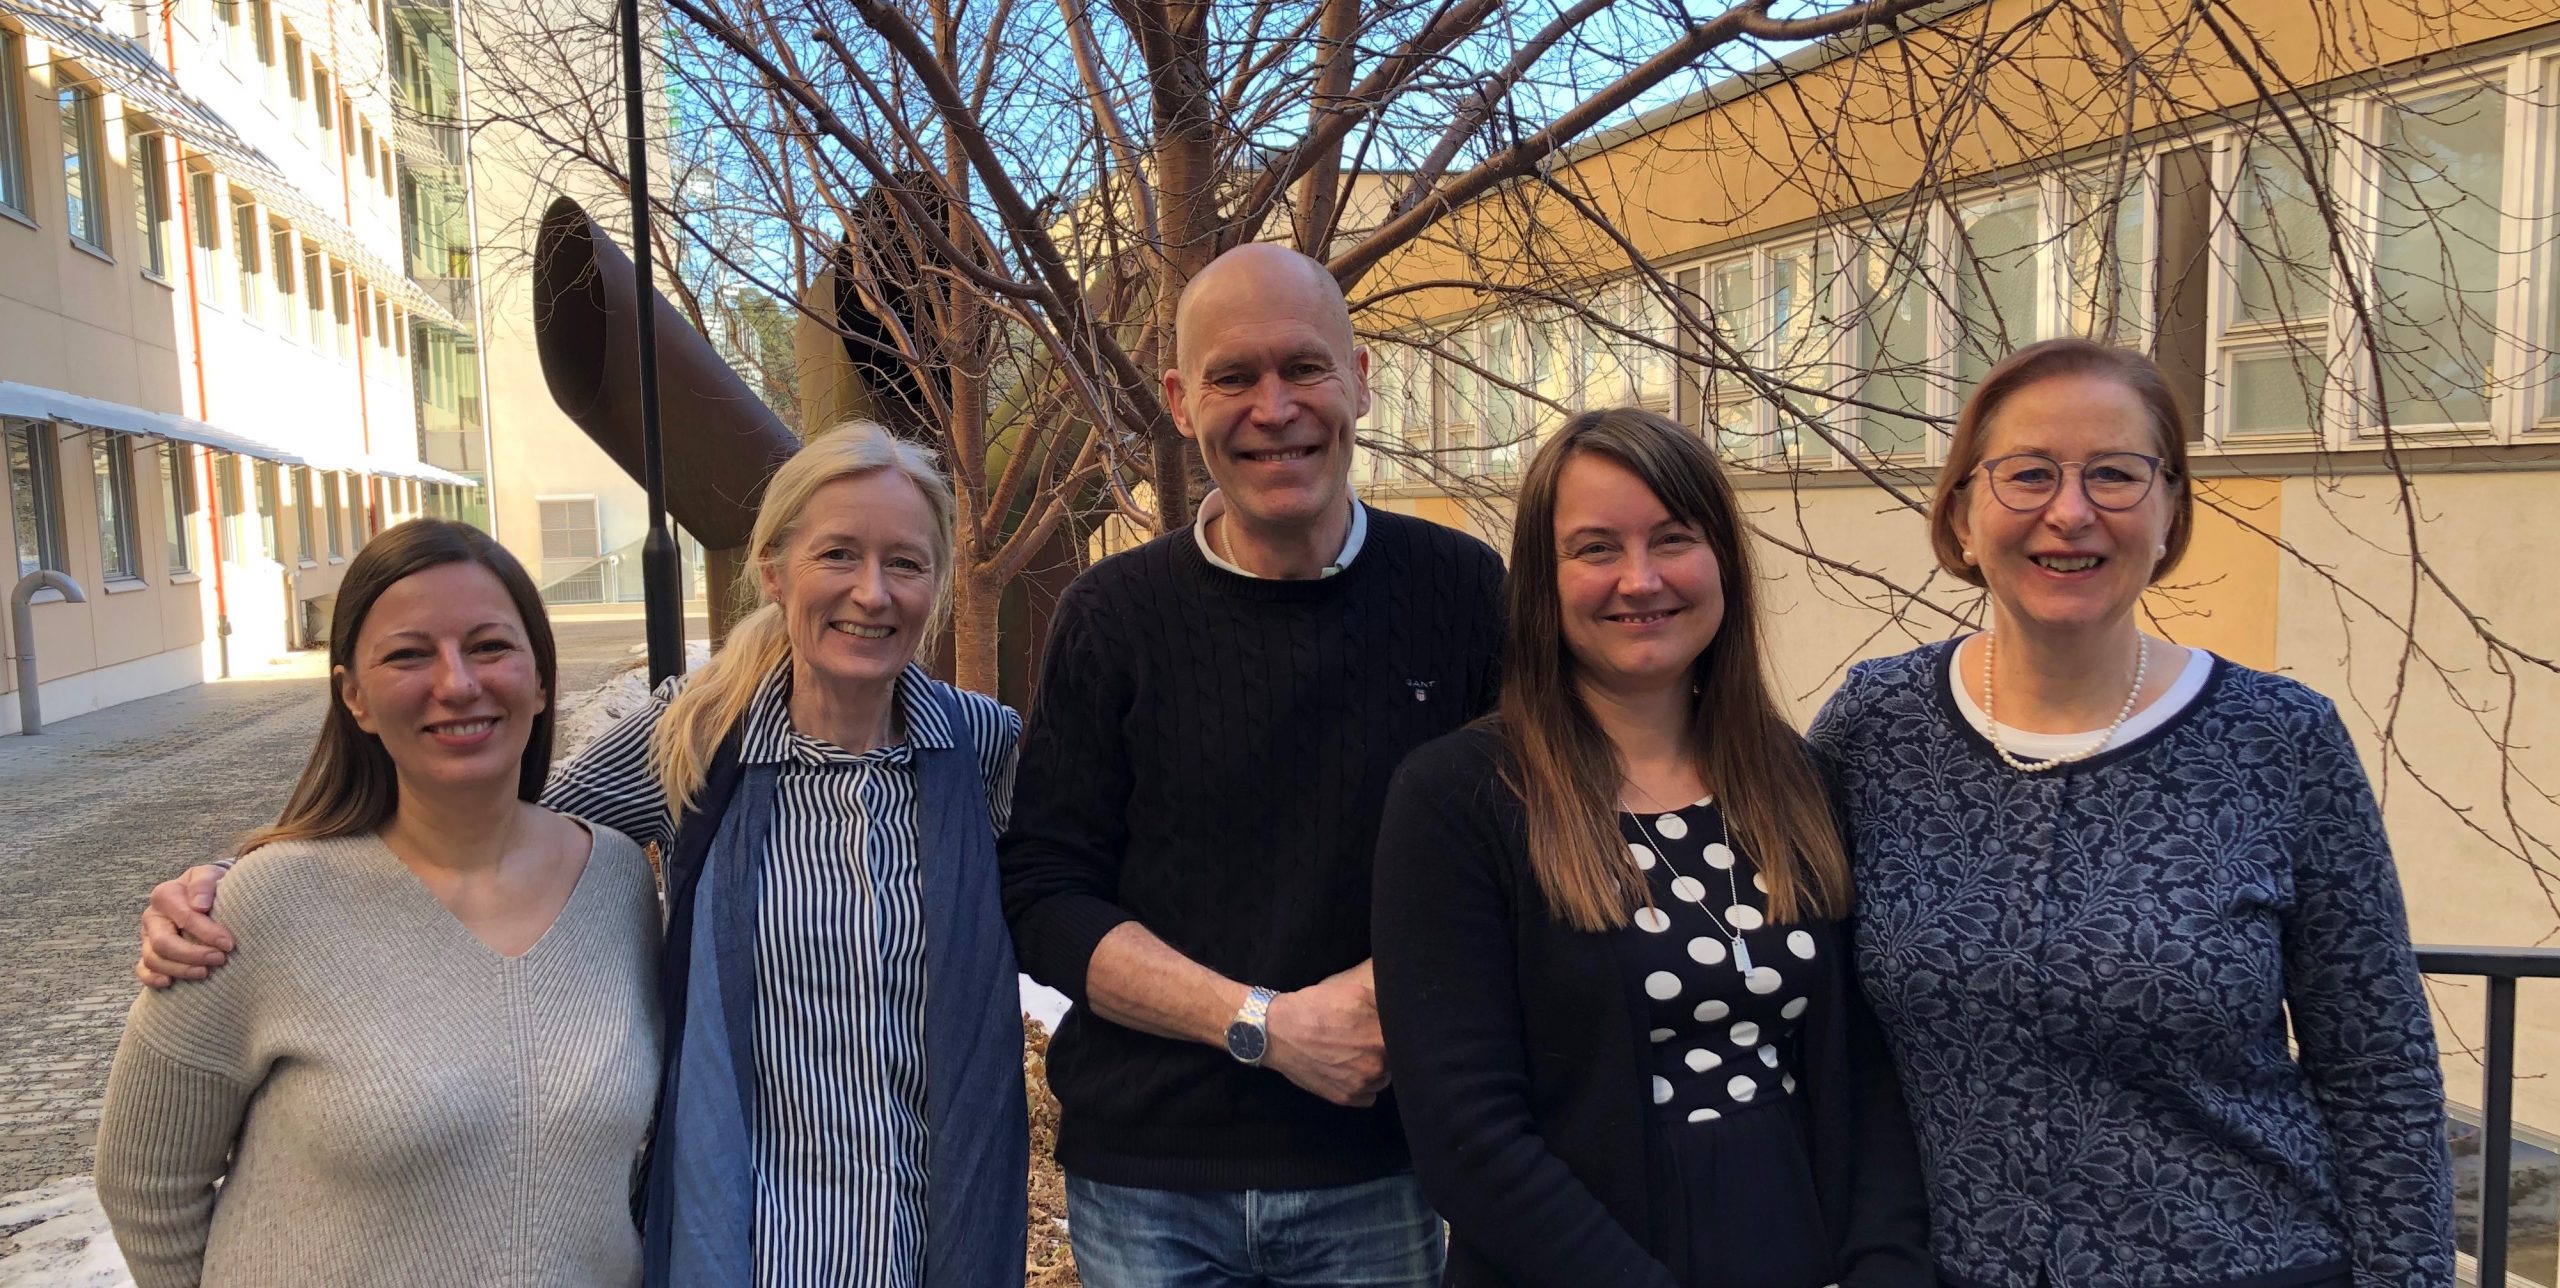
(2502, 967)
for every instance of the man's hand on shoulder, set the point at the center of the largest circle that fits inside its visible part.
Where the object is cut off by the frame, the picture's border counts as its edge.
(179, 940)
(1325, 1039)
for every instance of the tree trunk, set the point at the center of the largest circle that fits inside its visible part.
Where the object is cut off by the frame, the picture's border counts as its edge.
(1187, 209)
(975, 601)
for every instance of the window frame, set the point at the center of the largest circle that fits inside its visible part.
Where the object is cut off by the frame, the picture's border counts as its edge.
(231, 516)
(154, 220)
(553, 569)
(15, 173)
(316, 330)
(111, 477)
(248, 257)
(334, 507)
(284, 293)
(84, 189)
(306, 551)
(40, 494)
(178, 499)
(2510, 80)
(204, 235)
(267, 492)
(1934, 366)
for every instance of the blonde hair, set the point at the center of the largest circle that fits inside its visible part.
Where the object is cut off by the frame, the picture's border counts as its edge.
(716, 697)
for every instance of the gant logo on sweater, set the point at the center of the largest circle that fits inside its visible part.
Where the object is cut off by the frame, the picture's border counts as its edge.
(1421, 689)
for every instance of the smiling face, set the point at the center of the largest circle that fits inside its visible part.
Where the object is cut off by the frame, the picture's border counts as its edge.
(443, 674)
(855, 578)
(2070, 566)
(1270, 385)
(1640, 593)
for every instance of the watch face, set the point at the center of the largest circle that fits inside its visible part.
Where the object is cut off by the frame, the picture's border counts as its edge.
(1247, 1042)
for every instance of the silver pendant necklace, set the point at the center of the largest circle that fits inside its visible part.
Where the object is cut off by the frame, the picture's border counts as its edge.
(1733, 886)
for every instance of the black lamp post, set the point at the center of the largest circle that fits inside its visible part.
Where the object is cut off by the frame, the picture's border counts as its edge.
(660, 594)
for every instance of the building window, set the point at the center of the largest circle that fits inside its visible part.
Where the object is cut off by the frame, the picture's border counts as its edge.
(365, 141)
(111, 468)
(346, 336)
(2440, 164)
(286, 299)
(150, 157)
(1730, 400)
(320, 99)
(339, 290)
(34, 505)
(295, 84)
(1999, 283)
(270, 500)
(178, 503)
(2275, 339)
(306, 501)
(232, 514)
(2106, 254)
(83, 189)
(247, 250)
(234, 17)
(262, 35)
(1397, 410)
(315, 300)
(1890, 345)
(13, 126)
(206, 238)
(330, 485)
(572, 572)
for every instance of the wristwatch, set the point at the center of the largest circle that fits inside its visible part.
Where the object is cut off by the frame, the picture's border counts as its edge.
(1247, 1038)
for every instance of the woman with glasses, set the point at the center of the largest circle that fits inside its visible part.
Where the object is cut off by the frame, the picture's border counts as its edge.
(2126, 910)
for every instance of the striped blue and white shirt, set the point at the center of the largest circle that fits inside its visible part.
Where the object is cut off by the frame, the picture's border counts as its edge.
(840, 962)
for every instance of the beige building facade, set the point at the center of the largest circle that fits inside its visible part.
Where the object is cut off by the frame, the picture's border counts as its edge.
(205, 333)
(1869, 282)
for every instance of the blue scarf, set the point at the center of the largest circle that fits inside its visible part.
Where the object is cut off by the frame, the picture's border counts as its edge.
(698, 1190)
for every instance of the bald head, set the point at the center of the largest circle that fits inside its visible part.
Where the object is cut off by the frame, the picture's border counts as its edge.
(1252, 280)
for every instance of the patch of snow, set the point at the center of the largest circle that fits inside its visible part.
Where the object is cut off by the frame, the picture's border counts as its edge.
(585, 715)
(56, 1236)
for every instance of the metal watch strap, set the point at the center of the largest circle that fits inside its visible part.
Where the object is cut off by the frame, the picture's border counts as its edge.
(1257, 1006)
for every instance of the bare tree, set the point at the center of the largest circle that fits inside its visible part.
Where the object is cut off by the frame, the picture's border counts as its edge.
(1006, 197)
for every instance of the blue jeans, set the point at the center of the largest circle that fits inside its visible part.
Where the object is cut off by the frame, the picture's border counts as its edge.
(1378, 1233)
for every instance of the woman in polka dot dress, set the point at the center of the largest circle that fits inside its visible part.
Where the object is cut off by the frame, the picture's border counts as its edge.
(1610, 965)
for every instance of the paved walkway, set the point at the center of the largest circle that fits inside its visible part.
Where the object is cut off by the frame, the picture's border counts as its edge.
(98, 809)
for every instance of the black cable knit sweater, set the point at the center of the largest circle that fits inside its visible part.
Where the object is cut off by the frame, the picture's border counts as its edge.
(1208, 755)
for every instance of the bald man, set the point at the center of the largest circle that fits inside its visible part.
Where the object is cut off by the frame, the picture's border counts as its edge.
(1196, 809)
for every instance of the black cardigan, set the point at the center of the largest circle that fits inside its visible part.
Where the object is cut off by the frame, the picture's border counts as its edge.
(1519, 1055)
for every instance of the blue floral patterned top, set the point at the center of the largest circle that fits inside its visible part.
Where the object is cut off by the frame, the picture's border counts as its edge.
(2085, 974)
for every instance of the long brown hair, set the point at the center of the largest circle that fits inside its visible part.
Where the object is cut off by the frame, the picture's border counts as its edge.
(1568, 772)
(349, 785)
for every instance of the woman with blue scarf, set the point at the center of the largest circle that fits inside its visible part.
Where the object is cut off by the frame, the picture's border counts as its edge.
(842, 1099)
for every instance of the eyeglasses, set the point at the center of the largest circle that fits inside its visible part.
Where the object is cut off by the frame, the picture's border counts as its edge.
(2028, 481)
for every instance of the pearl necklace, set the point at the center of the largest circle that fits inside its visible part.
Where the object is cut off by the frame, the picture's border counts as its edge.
(1991, 654)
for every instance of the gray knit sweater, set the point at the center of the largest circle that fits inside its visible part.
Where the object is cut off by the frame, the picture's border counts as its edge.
(382, 1098)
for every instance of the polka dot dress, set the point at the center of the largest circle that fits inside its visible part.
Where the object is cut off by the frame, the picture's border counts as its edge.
(1722, 1039)
(1726, 1057)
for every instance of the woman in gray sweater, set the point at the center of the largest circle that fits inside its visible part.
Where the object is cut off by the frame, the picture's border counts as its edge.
(473, 1116)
